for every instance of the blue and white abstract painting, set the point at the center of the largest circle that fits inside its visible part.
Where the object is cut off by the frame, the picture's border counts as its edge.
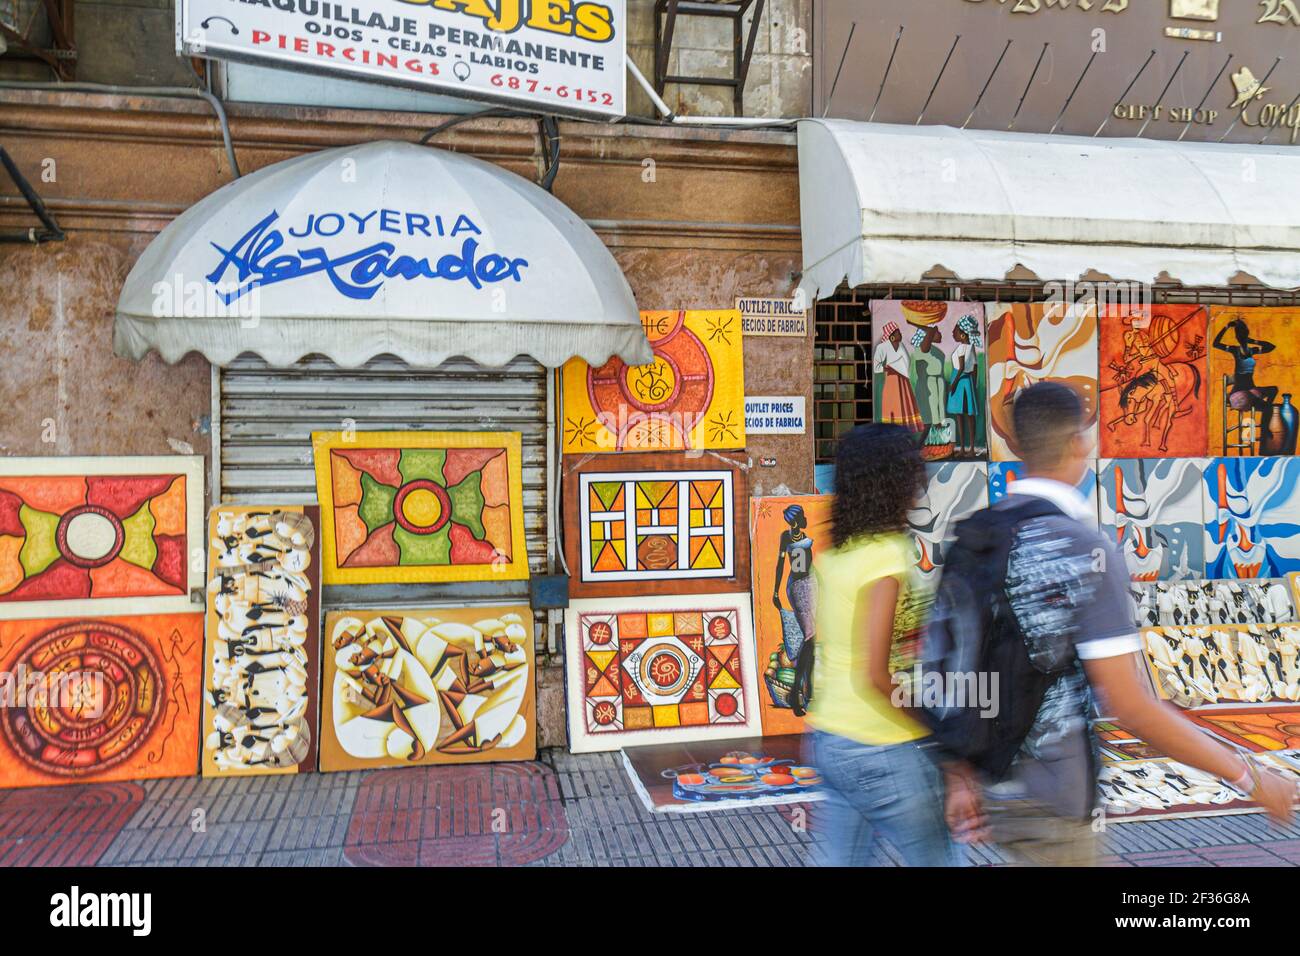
(1152, 510)
(1252, 517)
(954, 490)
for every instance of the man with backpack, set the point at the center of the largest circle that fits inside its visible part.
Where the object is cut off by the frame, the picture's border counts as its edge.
(1034, 599)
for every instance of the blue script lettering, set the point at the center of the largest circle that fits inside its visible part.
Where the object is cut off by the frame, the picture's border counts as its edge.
(258, 261)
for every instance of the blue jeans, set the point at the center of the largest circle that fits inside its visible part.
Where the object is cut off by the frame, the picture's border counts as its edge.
(894, 791)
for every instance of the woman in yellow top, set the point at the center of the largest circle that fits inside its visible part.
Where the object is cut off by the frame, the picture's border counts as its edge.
(879, 778)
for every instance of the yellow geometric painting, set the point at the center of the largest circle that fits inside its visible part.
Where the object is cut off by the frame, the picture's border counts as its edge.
(408, 507)
(691, 396)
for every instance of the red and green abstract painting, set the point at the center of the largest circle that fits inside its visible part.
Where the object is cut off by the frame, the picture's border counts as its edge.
(94, 537)
(421, 506)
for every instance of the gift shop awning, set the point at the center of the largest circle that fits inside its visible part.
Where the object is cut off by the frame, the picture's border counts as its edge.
(383, 248)
(895, 204)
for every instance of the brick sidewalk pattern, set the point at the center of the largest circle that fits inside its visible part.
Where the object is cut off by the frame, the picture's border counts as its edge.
(563, 810)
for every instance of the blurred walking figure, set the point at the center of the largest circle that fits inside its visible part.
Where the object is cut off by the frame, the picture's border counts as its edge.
(1034, 595)
(879, 779)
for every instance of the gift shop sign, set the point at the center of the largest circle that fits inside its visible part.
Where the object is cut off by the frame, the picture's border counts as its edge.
(555, 55)
(775, 415)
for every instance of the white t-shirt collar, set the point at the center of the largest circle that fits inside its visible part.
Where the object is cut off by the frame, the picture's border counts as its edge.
(1070, 500)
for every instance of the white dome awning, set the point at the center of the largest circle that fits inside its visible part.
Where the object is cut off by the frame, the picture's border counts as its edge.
(889, 204)
(382, 248)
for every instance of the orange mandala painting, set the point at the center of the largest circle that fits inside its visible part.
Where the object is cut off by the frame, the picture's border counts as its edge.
(97, 699)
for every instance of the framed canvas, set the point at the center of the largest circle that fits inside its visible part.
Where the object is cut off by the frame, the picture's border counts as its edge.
(411, 507)
(1116, 743)
(261, 700)
(691, 396)
(1038, 342)
(954, 490)
(1254, 370)
(785, 535)
(1231, 601)
(1154, 396)
(1152, 511)
(634, 519)
(1250, 517)
(929, 372)
(1259, 730)
(414, 687)
(659, 669)
(100, 535)
(97, 699)
(1142, 790)
(1206, 666)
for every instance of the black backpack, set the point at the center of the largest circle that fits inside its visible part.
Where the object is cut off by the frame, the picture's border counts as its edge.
(987, 622)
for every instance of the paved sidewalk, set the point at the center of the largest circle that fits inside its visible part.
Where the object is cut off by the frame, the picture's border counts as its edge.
(562, 810)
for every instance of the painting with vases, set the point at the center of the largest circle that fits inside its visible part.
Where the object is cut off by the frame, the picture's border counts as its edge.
(1254, 364)
(786, 534)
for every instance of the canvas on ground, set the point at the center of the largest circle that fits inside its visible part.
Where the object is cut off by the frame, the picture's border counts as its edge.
(726, 775)
(660, 669)
(262, 685)
(1266, 730)
(89, 700)
(404, 688)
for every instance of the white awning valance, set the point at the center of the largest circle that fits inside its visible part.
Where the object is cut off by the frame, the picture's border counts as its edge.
(884, 204)
(382, 248)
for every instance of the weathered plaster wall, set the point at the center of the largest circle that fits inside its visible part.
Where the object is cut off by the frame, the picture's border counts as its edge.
(63, 391)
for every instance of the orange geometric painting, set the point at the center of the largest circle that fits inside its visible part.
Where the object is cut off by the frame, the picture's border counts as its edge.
(1260, 731)
(99, 535)
(407, 507)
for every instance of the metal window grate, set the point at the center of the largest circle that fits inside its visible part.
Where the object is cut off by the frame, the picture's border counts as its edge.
(842, 395)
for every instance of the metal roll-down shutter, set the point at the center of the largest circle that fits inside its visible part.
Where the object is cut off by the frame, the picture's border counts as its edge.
(266, 416)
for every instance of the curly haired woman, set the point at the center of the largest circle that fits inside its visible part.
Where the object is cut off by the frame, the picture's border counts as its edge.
(879, 779)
